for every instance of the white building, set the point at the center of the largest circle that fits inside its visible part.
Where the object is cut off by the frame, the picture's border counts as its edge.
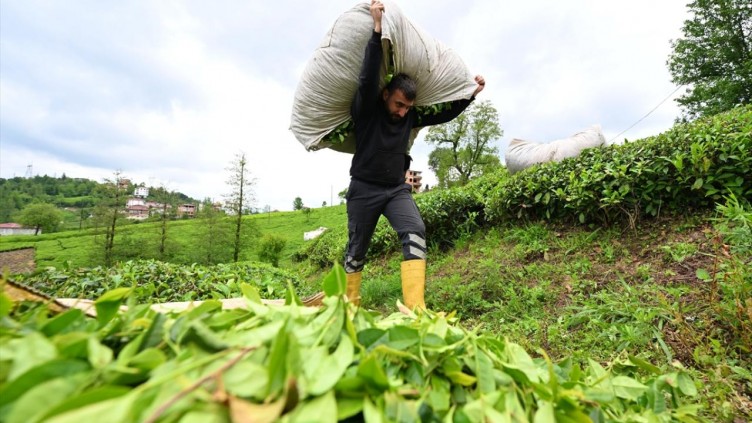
(17, 229)
(135, 201)
(142, 192)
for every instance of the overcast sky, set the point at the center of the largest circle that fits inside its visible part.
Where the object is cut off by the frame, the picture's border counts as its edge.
(170, 91)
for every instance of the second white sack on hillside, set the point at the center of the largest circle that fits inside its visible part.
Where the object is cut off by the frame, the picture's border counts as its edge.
(522, 154)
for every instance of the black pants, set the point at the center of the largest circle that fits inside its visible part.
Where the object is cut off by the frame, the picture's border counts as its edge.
(366, 202)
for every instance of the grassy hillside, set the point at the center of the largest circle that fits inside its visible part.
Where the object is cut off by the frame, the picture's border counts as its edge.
(79, 247)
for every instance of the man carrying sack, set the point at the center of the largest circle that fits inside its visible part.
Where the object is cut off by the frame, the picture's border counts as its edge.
(383, 120)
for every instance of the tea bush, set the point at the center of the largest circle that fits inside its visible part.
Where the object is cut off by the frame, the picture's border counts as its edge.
(153, 280)
(691, 166)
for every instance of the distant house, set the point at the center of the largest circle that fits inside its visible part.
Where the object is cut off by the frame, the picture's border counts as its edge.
(137, 212)
(135, 201)
(17, 229)
(142, 192)
(413, 178)
(187, 210)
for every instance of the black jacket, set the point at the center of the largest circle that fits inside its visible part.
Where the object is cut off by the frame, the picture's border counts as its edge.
(381, 154)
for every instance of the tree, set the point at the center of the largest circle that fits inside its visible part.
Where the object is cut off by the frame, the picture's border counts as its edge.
(168, 204)
(714, 58)
(109, 209)
(297, 204)
(41, 216)
(270, 249)
(214, 238)
(464, 145)
(342, 195)
(240, 200)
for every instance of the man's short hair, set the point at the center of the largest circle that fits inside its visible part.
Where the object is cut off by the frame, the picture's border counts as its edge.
(403, 83)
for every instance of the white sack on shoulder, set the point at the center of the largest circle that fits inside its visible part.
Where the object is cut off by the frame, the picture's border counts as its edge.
(522, 154)
(329, 81)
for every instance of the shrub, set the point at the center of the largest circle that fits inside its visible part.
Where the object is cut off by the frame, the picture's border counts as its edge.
(270, 249)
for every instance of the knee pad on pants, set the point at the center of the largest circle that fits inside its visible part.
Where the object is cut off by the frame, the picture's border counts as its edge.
(414, 246)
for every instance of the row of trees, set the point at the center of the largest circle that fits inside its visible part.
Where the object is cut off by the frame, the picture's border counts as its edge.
(220, 238)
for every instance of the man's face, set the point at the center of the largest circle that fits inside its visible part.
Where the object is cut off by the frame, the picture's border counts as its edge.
(397, 105)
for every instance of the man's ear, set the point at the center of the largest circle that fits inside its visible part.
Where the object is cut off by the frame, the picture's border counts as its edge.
(384, 94)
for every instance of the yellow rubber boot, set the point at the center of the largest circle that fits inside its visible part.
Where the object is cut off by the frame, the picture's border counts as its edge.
(414, 283)
(353, 287)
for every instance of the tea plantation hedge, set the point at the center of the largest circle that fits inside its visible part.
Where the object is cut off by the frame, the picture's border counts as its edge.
(690, 167)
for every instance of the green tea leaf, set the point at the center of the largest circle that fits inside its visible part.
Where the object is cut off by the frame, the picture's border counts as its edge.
(36, 375)
(703, 275)
(348, 407)
(686, 384)
(28, 352)
(335, 281)
(484, 372)
(278, 362)
(372, 372)
(247, 379)
(6, 304)
(93, 396)
(545, 413)
(324, 408)
(61, 322)
(113, 410)
(644, 365)
(628, 388)
(331, 368)
(34, 404)
(108, 304)
(402, 337)
(371, 413)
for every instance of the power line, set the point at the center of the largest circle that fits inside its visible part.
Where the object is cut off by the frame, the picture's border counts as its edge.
(648, 114)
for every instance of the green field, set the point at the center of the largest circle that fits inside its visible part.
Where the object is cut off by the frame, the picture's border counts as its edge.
(77, 247)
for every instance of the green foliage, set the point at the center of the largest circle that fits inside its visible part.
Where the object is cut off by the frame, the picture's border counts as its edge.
(691, 166)
(325, 250)
(270, 249)
(155, 281)
(735, 224)
(288, 364)
(41, 216)
(714, 57)
(16, 193)
(464, 146)
(297, 204)
(339, 134)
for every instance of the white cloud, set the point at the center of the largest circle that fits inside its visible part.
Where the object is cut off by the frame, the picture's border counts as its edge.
(171, 91)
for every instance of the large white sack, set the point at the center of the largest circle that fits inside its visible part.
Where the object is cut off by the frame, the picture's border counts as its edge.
(330, 79)
(522, 154)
